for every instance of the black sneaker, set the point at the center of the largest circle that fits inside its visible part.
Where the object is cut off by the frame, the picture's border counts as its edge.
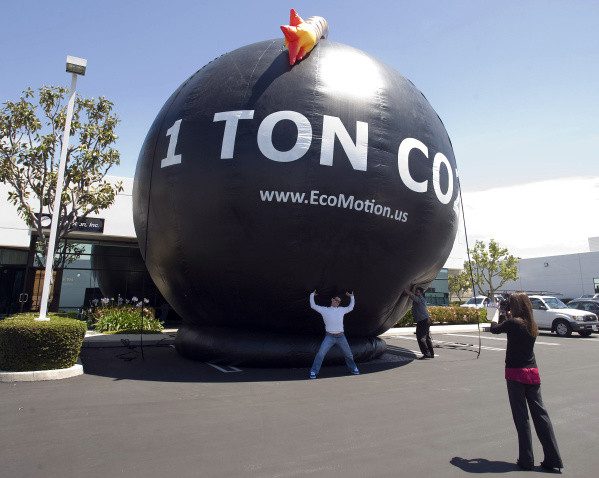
(552, 468)
(524, 466)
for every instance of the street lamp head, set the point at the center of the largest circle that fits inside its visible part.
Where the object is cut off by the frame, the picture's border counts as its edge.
(76, 65)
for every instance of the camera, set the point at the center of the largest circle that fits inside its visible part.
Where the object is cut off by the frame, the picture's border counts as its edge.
(504, 306)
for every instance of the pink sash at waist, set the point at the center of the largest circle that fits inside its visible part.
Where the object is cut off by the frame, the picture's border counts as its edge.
(529, 376)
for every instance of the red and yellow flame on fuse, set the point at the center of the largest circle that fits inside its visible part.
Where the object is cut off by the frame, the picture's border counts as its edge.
(302, 36)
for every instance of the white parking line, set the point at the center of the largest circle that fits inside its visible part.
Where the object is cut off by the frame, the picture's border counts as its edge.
(228, 369)
(405, 338)
(417, 352)
(498, 338)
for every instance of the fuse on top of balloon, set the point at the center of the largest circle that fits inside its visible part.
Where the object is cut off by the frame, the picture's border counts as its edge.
(301, 36)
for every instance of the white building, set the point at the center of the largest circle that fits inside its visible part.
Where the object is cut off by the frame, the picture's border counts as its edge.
(118, 222)
(114, 243)
(569, 275)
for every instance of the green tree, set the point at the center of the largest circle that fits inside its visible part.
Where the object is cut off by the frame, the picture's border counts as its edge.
(492, 266)
(459, 283)
(31, 132)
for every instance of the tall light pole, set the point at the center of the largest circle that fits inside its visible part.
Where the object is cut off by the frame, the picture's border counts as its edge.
(75, 66)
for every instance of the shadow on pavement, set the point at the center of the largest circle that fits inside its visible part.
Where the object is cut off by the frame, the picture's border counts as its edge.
(164, 364)
(482, 465)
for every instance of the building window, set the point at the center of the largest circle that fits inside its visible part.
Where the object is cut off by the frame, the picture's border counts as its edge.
(13, 263)
(438, 292)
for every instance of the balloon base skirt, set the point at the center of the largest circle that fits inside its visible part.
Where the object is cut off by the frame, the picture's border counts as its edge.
(230, 346)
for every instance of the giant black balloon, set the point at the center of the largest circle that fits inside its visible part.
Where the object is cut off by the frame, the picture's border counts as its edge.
(120, 271)
(218, 208)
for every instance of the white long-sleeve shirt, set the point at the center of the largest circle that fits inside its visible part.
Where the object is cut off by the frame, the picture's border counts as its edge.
(332, 316)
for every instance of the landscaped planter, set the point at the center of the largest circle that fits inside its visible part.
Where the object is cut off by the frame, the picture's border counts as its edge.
(30, 345)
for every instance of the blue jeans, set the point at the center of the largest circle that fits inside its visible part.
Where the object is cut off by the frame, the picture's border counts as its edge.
(325, 346)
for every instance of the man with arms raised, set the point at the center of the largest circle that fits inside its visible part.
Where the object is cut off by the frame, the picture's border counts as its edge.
(333, 323)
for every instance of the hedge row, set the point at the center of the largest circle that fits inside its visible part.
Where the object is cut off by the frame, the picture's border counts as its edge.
(447, 315)
(27, 344)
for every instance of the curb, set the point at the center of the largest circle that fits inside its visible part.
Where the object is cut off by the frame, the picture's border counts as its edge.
(39, 375)
(126, 340)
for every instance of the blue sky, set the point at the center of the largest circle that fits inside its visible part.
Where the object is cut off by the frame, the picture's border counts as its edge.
(515, 82)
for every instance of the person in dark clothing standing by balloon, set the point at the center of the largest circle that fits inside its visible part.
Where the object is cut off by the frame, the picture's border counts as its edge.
(524, 384)
(423, 322)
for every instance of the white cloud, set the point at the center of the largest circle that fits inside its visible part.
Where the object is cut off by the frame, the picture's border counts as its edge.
(535, 219)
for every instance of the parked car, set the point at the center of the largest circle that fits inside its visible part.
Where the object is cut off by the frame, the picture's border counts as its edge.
(550, 313)
(477, 302)
(588, 296)
(590, 305)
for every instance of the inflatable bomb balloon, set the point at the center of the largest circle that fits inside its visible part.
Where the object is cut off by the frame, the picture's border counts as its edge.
(120, 271)
(259, 182)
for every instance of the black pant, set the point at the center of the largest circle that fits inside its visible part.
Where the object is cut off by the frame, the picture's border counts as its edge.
(424, 338)
(520, 394)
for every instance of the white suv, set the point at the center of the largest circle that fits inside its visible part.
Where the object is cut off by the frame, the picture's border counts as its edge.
(478, 302)
(550, 313)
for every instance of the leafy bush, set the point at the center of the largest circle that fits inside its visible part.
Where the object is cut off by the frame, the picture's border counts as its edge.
(70, 314)
(124, 319)
(27, 344)
(447, 315)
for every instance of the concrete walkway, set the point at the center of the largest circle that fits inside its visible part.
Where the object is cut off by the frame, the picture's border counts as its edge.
(95, 339)
(167, 337)
(438, 329)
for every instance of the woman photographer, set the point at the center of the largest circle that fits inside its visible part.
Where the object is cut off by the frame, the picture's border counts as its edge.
(524, 384)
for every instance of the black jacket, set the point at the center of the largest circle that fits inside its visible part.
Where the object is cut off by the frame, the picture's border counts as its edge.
(520, 344)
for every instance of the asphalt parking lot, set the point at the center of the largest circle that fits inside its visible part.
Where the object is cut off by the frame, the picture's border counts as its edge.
(167, 416)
